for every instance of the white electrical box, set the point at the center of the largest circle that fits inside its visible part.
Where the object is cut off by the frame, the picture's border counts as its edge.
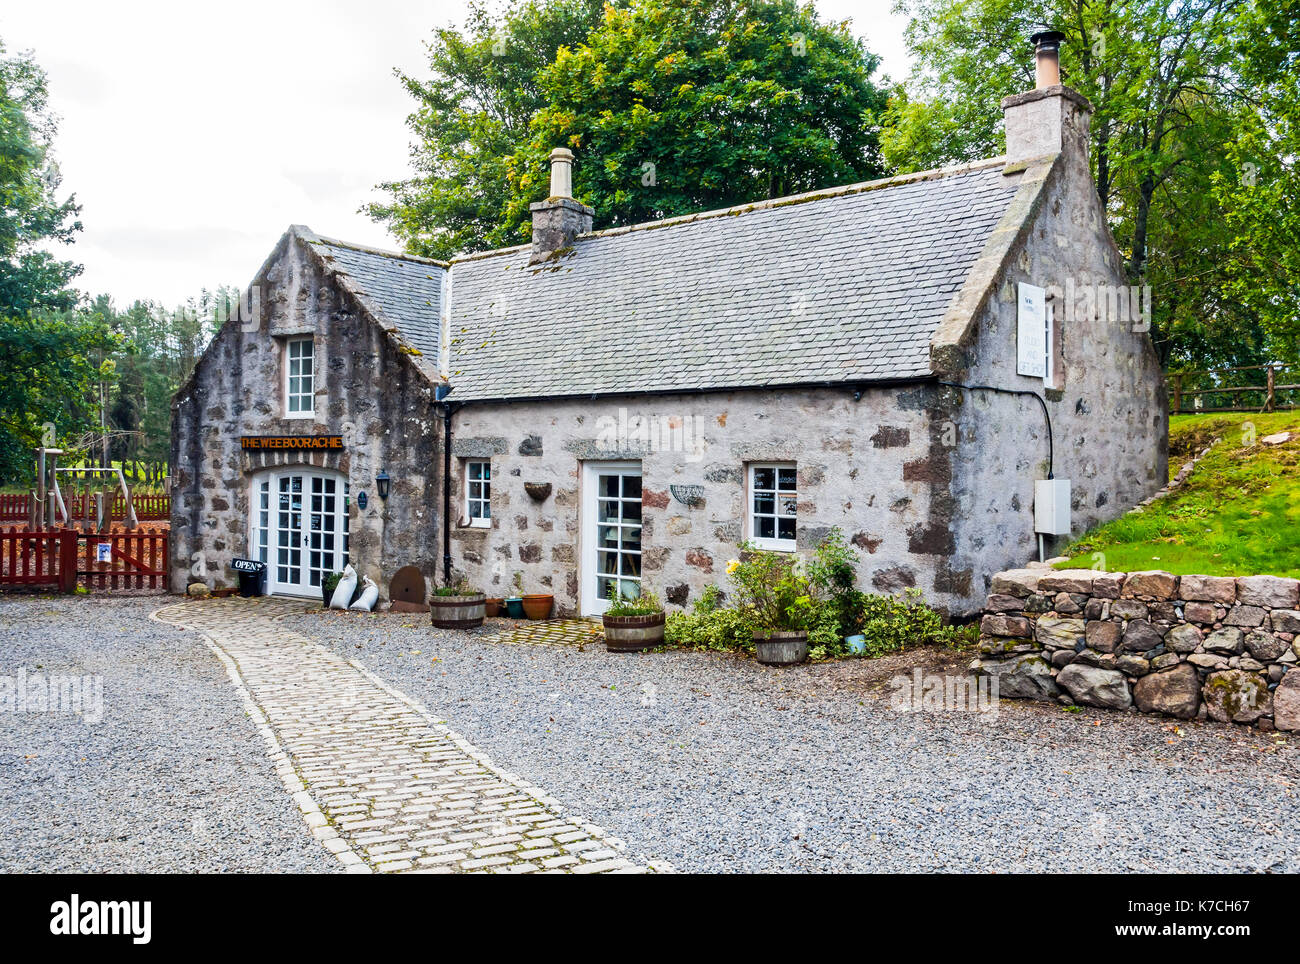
(1052, 507)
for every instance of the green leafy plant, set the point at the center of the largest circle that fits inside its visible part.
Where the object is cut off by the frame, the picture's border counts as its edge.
(331, 582)
(772, 591)
(894, 623)
(710, 625)
(646, 604)
(774, 588)
(459, 588)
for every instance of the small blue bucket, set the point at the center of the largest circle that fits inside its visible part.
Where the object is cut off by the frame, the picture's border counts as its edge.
(857, 644)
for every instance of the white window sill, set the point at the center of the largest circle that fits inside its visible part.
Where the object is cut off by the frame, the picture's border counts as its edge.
(300, 416)
(478, 524)
(776, 545)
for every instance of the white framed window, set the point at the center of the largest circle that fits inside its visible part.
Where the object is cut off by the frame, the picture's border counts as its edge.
(299, 378)
(773, 504)
(478, 492)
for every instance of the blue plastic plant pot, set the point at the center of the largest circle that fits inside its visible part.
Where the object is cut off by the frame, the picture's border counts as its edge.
(515, 607)
(857, 644)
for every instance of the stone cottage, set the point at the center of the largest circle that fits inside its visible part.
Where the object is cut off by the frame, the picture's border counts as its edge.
(610, 411)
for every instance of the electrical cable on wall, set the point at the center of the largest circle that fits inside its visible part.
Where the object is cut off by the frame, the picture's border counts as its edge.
(1047, 417)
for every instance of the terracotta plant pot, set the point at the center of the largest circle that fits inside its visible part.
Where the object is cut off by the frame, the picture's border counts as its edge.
(457, 612)
(538, 605)
(633, 634)
(493, 607)
(781, 648)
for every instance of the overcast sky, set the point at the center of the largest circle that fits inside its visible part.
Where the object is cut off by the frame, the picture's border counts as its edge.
(193, 135)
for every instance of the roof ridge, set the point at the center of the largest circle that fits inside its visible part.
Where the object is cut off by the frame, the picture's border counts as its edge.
(820, 194)
(379, 252)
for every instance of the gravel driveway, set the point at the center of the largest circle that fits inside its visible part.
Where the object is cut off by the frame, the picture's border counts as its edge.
(173, 778)
(708, 761)
(714, 763)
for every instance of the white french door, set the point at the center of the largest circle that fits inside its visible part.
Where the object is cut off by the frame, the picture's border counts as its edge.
(300, 529)
(611, 534)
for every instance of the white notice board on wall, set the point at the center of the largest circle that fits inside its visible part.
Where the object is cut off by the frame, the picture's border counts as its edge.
(1031, 331)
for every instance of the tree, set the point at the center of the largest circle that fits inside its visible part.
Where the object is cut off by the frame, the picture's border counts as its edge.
(48, 373)
(472, 114)
(31, 215)
(1259, 191)
(46, 366)
(1171, 87)
(673, 106)
(679, 106)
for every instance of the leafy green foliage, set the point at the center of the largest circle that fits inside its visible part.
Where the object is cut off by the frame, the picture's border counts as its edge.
(471, 116)
(710, 625)
(48, 363)
(48, 367)
(1193, 145)
(672, 106)
(459, 588)
(772, 591)
(31, 215)
(773, 587)
(646, 604)
(1238, 514)
(892, 623)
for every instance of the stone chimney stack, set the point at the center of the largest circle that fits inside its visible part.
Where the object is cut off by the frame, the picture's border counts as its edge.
(559, 219)
(1051, 118)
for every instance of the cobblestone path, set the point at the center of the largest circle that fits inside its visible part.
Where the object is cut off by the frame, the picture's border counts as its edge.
(553, 632)
(382, 784)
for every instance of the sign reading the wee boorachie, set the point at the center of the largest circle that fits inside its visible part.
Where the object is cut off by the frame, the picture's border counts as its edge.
(260, 442)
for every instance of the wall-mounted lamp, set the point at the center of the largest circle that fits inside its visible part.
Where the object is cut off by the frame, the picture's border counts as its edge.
(382, 482)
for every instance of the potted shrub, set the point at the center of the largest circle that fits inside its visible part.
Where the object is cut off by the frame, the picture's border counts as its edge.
(457, 607)
(775, 591)
(634, 625)
(327, 587)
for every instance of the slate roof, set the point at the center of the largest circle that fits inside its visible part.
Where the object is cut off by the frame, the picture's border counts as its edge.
(405, 290)
(844, 286)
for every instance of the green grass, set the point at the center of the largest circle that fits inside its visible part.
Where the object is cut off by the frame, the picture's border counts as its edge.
(1238, 514)
(137, 487)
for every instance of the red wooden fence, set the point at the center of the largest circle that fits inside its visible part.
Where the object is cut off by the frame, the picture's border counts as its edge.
(30, 558)
(62, 558)
(148, 508)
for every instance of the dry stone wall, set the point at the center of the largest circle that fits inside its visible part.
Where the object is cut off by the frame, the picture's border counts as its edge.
(1184, 646)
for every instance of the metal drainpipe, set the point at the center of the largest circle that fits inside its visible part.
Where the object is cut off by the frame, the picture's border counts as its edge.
(448, 409)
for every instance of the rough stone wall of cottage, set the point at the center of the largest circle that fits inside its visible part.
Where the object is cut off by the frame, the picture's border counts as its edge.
(1108, 407)
(852, 460)
(366, 391)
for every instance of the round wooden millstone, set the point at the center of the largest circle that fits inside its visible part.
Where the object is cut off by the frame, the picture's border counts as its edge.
(407, 591)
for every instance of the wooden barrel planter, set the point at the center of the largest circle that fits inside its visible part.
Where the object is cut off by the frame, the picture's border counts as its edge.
(781, 649)
(457, 612)
(633, 634)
